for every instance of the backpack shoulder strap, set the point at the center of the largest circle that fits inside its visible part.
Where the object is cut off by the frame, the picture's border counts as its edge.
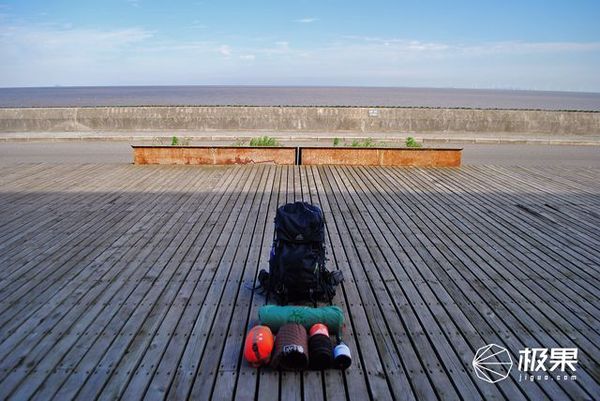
(263, 279)
(330, 281)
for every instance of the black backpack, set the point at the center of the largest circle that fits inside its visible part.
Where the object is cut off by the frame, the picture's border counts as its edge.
(297, 261)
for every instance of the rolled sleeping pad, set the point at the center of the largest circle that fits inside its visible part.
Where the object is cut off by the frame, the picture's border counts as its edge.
(275, 316)
(320, 349)
(291, 348)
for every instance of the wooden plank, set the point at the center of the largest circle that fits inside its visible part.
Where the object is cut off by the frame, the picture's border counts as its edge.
(269, 387)
(201, 209)
(32, 207)
(434, 352)
(178, 265)
(405, 276)
(46, 235)
(526, 229)
(212, 364)
(117, 382)
(46, 205)
(247, 385)
(43, 225)
(57, 329)
(71, 261)
(474, 268)
(182, 359)
(61, 177)
(291, 383)
(384, 361)
(313, 382)
(64, 235)
(353, 380)
(230, 365)
(420, 241)
(103, 360)
(448, 330)
(51, 279)
(15, 173)
(517, 186)
(118, 299)
(517, 230)
(574, 318)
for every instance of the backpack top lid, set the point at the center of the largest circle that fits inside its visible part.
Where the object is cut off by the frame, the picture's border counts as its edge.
(299, 222)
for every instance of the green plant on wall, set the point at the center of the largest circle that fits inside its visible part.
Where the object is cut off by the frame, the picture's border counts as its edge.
(412, 143)
(366, 143)
(264, 141)
(176, 141)
(336, 141)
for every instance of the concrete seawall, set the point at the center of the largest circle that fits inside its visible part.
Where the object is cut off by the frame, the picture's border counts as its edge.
(317, 119)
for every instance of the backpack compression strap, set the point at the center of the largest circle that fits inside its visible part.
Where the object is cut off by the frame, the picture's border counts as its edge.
(264, 281)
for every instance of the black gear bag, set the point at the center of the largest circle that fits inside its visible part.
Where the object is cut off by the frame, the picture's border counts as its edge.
(297, 262)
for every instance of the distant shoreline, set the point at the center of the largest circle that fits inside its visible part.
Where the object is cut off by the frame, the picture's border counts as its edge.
(158, 106)
(305, 86)
(297, 96)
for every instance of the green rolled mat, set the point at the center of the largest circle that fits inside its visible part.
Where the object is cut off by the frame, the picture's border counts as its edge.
(275, 316)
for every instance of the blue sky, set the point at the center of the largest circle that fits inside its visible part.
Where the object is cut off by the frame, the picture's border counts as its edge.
(544, 45)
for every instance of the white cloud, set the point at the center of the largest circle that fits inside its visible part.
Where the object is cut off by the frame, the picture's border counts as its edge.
(65, 37)
(520, 47)
(46, 54)
(225, 50)
(134, 3)
(306, 20)
(488, 48)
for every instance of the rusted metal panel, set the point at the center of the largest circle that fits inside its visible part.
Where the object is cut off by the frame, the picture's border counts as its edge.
(432, 157)
(213, 155)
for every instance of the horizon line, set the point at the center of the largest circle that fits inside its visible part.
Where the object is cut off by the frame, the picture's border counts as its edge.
(304, 86)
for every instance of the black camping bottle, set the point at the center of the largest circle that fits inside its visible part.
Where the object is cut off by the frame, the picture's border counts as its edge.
(320, 349)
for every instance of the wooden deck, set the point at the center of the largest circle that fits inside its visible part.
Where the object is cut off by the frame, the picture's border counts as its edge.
(128, 282)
